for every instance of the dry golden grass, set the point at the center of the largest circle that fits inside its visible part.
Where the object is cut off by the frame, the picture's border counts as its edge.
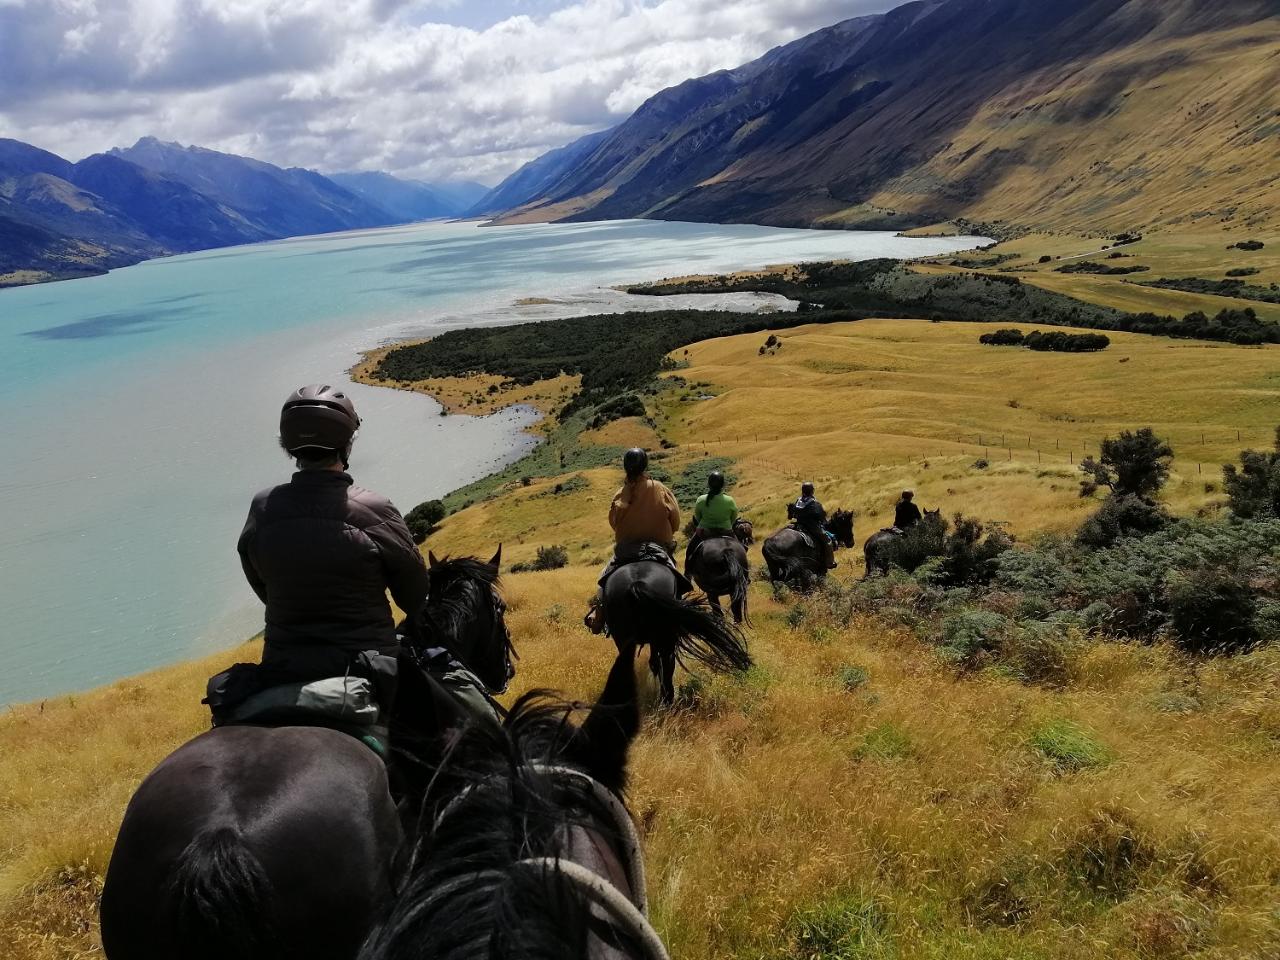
(477, 395)
(907, 816)
(1176, 255)
(914, 797)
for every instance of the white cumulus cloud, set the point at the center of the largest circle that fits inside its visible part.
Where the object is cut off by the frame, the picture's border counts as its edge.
(366, 84)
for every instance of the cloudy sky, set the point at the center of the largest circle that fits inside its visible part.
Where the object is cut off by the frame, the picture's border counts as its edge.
(438, 89)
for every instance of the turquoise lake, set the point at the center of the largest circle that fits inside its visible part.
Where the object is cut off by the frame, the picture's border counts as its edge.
(140, 407)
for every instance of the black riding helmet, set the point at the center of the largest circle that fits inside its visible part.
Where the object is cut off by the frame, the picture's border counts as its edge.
(318, 417)
(806, 489)
(635, 461)
(715, 481)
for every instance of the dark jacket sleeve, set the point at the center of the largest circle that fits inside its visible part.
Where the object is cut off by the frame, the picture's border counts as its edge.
(401, 561)
(245, 549)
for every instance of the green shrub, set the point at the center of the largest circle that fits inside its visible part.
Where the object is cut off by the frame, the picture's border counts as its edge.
(1243, 272)
(1040, 652)
(1121, 515)
(423, 519)
(548, 558)
(970, 633)
(852, 677)
(1135, 462)
(1212, 610)
(1254, 488)
(624, 405)
(1247, 245)
(1069, 746)
(1008, 337)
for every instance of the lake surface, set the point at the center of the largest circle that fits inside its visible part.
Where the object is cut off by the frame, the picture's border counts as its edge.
(140, 408)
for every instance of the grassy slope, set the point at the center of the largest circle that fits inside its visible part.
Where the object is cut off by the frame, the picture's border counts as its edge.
(908, 818)
(1176, 255)
(1175, 131)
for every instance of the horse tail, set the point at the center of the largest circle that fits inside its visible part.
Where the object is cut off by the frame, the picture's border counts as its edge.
(221, 899)
(696, 631)
(741, 579)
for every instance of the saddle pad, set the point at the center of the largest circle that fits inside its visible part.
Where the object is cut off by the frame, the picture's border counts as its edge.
(346, 700)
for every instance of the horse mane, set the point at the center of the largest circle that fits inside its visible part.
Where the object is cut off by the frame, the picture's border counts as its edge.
(471, 892)
(445, 572)
(450, 610)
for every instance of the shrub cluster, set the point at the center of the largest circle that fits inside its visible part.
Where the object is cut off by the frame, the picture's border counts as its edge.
(1222, 288)
(616, 408)
(1229, 326)
(548, 558)
(423, 519)
(1212, 586)
(1247, 245)
(1092, 266)
(1060, 342)
(1055, 340)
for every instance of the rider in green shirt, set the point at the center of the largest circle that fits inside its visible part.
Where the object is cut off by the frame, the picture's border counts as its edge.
(713, 515)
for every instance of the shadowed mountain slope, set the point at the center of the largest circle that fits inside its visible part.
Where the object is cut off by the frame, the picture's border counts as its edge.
(1085, 115)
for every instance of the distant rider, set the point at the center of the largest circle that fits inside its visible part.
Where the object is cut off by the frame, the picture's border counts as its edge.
(906, 514)
(643, 511)
(322, 553)
(714, 516)
(810, 516)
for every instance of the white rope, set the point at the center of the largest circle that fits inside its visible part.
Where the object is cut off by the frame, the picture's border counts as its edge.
(621, 910)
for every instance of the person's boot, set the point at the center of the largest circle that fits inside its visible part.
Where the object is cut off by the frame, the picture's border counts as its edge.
(594, 620)
(831, 557)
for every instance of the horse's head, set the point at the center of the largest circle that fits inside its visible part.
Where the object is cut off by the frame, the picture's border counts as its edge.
(745, 532)
(527, 848)
(466, 614)
(933, 518)
(841, 525)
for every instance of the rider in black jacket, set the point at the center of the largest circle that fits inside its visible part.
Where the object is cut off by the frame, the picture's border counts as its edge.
(906, 514)
(321, 552)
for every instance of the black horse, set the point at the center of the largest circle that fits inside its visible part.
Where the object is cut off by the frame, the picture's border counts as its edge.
(642, 604)
(792, 558)
(720, 568)
(282, 842)
(883, 547)
(530, 851)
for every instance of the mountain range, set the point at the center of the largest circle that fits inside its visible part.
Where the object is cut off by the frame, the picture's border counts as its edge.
(60, 219)
(1084, 115)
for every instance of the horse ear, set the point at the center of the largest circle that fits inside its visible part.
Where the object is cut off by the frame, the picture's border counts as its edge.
(496, 560)
(431, 558)
(602, 742)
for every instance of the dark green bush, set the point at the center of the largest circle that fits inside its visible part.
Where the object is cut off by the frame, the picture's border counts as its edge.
(1122, 515)
(1212, 610)
(548, 558)
(1254, 488)
(1008, 337)
(423, 519)
(1247, 245)
(1059, 342)
(1134, 463)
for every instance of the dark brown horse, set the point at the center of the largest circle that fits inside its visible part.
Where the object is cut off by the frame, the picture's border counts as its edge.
(720, 568)
(793, 558)
(529, 851)
(642, 604)
(883, 548)
(284, 842)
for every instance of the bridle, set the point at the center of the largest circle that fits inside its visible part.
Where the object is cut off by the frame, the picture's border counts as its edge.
(628, 913)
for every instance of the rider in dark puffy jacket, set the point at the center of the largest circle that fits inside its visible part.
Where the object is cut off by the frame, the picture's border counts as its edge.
(810, 516)
(321, 552)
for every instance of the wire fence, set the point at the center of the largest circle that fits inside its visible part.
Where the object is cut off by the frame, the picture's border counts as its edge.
(1189, 447)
